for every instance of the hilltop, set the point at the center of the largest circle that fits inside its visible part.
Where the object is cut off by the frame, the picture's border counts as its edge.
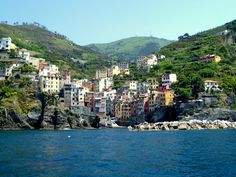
(55, 48)
(130, 48)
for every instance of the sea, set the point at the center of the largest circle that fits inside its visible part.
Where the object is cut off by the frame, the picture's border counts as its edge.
(117, 153)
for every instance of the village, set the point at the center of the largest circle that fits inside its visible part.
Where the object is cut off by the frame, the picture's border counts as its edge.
(133, 99)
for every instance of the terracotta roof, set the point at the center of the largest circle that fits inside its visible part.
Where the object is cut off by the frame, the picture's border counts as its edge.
(211, 81)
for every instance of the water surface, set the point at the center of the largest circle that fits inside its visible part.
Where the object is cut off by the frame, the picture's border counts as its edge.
(117, 152)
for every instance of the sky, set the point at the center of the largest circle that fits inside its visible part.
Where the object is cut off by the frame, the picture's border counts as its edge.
(102, 21)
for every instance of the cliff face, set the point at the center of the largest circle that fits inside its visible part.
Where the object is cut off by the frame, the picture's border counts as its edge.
(9, 120)
(209, 114)
(53, 119)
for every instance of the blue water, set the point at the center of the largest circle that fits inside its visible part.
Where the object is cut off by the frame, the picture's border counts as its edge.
(117, 153)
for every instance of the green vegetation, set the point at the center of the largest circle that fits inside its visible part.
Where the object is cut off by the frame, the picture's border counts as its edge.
(130, 48)
(182, 59)
(56, 49)
(27, 69)
(18, 94)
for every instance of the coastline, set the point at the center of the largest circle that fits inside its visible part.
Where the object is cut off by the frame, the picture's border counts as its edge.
(184, 125)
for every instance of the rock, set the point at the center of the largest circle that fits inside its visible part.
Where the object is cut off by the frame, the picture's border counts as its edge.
(130, 128)
(174, 125)
(183, 126)
(210, 114)
(10, 120)
(165, 127)
(186, 125)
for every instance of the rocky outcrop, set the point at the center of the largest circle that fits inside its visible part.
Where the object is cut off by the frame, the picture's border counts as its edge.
(109, 123)
(10, 120)
(185, 125)
(53, 118)
(209, 114)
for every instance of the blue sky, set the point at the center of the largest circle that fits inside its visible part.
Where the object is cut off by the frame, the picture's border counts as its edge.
(100, 21)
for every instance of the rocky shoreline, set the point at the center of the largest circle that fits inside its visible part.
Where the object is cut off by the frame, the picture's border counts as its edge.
(184, 125)
(52, 119)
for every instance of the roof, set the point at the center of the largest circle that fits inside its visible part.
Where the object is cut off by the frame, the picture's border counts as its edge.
(211, 81)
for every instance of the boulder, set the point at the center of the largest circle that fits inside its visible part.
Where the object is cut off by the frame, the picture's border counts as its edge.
(174, 125)
(183, 126)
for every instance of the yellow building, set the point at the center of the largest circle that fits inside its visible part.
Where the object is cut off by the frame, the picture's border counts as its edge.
(166, 98)
(114, 70)
(35, 62)
(210, 58)
(49, 84)
(53, 83)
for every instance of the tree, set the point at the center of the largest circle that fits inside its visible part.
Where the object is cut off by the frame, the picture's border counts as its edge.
(27, 69)
(232, 26)
(183, 94)
(197, 86)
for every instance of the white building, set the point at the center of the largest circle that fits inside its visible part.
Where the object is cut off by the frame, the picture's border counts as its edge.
(152, 60)
(25, 54)
(133, 85)
(110, 94)
(5, 72)
(16, 65)
(5, 43)
(162, 57)
(48, 69)
(74, 95)
(114, 70)
(211, 85)
(148, 61)
(102, 73)
(168, 79)
(105, 83)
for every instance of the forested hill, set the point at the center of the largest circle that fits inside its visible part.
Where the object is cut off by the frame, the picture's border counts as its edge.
(182, 58)
(130, 48)
(56, 48)
(217, 41)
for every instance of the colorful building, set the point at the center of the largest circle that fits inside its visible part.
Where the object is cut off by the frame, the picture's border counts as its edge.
(74, 95)
(210, 58)
(165, 98)
(168, 79)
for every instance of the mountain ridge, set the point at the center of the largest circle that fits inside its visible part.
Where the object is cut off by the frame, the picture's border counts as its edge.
(130, 48)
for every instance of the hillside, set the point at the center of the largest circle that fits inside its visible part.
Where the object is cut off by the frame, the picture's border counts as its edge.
(55, 48)
(130, 48)
(182, 59)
